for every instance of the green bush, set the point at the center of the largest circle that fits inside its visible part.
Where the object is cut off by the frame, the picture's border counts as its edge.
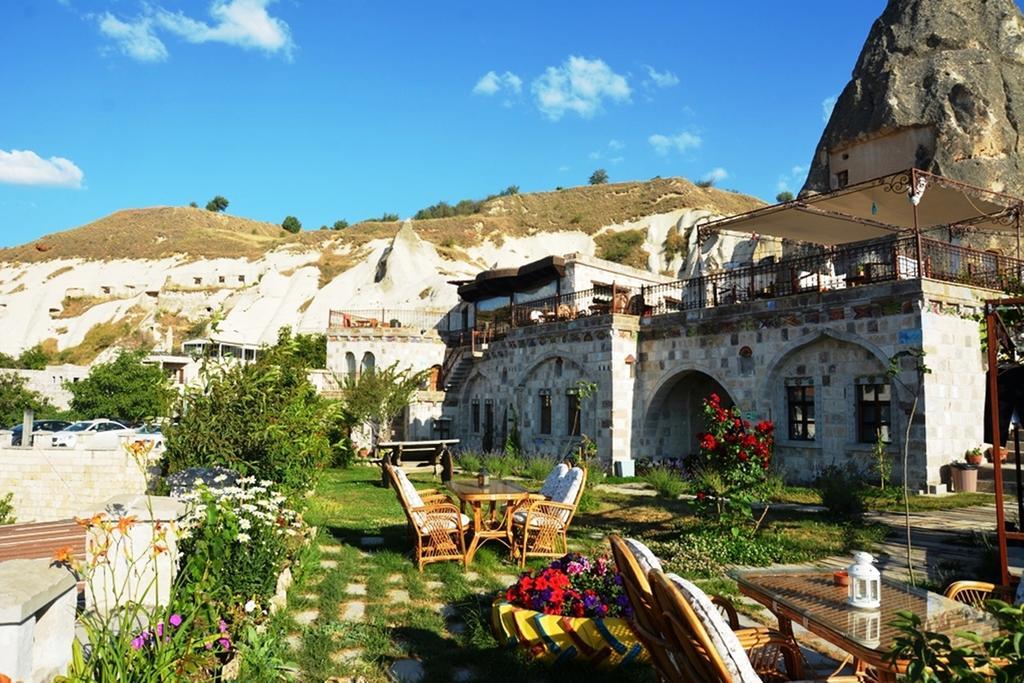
(15, 397)
(125, 388)
(7, 509)
(842, 492)
(705, 552)
(625, 247)
(499, 465)
(665, 481)
(470, 462)
(537, 467)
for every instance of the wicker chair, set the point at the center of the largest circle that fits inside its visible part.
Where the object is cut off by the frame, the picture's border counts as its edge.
(975, 593)
(436, 524)
(775, 657)
(539, 526)
(703, 651)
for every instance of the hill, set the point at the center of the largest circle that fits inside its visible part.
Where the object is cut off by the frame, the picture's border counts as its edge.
(162, 232)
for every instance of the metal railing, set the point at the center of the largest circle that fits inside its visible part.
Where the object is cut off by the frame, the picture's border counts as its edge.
(390, 317)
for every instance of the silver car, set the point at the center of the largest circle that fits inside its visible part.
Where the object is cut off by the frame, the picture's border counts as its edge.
(70, 436)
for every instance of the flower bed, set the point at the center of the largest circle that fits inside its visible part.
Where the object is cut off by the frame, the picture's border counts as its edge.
(575, 608)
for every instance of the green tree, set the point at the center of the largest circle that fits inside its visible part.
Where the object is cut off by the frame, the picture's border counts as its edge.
(291, 224)
(15, 397)
(217, 204)
(124, 388)
(33, 358)
(784, 197)
(599, 177)
(509, 191)
(193, 205)
(375, 397)
(340, 224)
(387, 218)
(8, 361)
(310, 349)
(263, 419)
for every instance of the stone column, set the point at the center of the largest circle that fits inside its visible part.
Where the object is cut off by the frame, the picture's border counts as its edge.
(37, 619)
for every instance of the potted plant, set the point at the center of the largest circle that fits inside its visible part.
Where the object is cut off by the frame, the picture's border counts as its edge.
(964, 475)
(973, 455)
(575, 602)
(988, 454)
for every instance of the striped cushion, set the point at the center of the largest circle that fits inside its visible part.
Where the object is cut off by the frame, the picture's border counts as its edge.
(643, 556)
(551, 483)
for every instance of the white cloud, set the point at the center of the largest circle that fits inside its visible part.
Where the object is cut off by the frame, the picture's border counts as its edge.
(716, 175)
(681, 142)
(134, 39)
(491, 83)
(245, 23)
(616, 160)
(579, 85)
(794, 178)
(616, 144)
(24, 167)
(827, 105)
(660, 79)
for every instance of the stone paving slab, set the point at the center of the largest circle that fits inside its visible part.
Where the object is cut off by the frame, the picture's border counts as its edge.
(371, 541)
(329, 564)
(407, 671)
(306, 617)
(398, 596)
(356, 589)
(353, 611)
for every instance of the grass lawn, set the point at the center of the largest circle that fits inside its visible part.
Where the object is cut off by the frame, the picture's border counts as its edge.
(356, 609)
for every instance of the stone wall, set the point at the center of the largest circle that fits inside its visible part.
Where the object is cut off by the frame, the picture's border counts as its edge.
(347, 347)
(49, 382)
(58, 483)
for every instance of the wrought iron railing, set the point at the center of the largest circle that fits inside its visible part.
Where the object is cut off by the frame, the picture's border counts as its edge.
(390, 317)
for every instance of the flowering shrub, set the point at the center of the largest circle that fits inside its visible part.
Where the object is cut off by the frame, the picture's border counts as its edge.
(243, 536)
(733, 462)
(573, 586)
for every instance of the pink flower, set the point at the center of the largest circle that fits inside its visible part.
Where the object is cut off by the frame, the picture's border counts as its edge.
(175, 620)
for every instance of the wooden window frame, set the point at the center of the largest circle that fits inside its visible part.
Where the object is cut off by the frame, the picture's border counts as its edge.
(803, 428)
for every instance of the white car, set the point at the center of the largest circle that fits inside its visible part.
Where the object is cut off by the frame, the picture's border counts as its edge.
(149, 434)
(90, 429)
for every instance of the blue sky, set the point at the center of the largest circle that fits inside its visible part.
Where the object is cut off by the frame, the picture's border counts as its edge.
(346, 109)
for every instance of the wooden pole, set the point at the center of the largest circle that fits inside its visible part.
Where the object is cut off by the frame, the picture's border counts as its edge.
(997, 465)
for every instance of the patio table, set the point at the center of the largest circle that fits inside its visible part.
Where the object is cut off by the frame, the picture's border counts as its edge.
(810, 598)
(489, 527)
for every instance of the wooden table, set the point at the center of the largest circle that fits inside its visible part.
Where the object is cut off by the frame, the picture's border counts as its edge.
(809, 597)
(489, 527)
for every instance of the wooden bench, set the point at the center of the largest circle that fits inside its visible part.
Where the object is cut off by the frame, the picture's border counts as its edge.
(395, 452)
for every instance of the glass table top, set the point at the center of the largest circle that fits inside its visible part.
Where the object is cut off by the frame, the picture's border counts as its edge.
(496, 488)
(811, 595)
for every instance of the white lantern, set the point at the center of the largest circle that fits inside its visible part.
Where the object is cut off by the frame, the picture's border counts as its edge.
(865, 626)
(865, 582)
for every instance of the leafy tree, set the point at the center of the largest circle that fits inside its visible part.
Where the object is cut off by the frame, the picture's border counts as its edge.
(599, 177)
(124, 388)
(340, 225)
(291, 224)
(8, 361)
(310, 349)
(263, 419)
(784, 197)
(217, 204)
(388, 217)
(510, 190)
(15, 397)
(323, 227)
(193, 205)
(706, 183)
(33, 358)
(375, 397)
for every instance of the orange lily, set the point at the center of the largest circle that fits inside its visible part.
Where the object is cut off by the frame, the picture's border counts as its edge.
(126, 523)
(63, 555)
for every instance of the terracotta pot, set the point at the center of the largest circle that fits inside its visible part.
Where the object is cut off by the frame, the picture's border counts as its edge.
(841, 578)
(988, 454)
(975, 459)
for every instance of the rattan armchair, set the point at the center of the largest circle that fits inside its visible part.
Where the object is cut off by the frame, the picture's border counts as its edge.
(539, 526)
(703, 656)
(435, 523)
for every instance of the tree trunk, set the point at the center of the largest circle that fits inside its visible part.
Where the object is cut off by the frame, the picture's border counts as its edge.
(906, 488)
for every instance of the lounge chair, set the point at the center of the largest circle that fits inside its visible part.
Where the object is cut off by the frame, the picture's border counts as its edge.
(775, 655)
(539, 526)
(435, 522)
(700, 644)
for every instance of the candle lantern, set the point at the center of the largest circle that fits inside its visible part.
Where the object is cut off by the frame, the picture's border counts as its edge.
(482, 478)
(865, 582)
(865, 627)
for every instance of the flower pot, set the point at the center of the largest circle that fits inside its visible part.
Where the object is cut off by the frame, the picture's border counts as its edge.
(988, 454)
(551, 637)
(964, 478)
(841, 578)
(974, 459)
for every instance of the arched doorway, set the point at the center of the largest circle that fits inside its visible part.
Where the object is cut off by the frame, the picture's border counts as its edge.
(675, 416)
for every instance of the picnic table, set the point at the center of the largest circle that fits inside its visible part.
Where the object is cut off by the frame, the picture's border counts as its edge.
(490, 527)
(809, 597)
(395, 452)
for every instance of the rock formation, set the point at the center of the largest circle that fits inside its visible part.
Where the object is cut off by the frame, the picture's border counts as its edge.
(939, 85)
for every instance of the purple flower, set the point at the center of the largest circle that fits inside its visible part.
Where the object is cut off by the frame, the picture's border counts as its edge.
(591, 601)
(175, 620)
(223, 626)
(160, 629)
(138, 642)
(225, 643)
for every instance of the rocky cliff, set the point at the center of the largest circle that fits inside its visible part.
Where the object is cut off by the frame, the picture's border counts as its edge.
(952, 68)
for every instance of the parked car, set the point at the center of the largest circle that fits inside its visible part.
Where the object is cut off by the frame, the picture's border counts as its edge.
(69, 436)
(149, 433)
(37, 426)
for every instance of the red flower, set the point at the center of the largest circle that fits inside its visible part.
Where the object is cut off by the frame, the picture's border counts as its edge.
(708, 442)
(713, 399)
(701, 495)
(765, 427)
(742, 455)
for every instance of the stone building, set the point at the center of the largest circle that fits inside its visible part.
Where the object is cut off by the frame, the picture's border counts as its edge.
(824, 336)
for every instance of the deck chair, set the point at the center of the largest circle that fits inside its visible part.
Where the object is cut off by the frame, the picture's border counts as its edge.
(701, 642)
(539, 527)
(776, 656)
(436, 524)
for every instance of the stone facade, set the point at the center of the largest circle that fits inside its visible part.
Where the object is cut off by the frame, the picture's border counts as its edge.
(652, 374)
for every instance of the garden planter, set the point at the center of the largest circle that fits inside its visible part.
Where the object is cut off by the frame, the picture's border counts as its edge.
(965, 478)
(554, 638)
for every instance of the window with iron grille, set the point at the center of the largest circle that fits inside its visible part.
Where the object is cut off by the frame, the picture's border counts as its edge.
(474, 412)
(573, 414)
(800, 408)
(873, 411)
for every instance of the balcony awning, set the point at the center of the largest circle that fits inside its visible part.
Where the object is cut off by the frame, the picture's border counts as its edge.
(879, 207)
(506, 281)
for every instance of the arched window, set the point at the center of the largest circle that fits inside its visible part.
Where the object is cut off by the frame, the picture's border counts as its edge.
(368, 363)
(350, 365)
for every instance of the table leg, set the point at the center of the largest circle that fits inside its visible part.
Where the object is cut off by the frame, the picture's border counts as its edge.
(786, 629)
(477, 528)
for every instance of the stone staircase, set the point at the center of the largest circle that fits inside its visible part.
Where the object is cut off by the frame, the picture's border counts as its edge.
(458, 373)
